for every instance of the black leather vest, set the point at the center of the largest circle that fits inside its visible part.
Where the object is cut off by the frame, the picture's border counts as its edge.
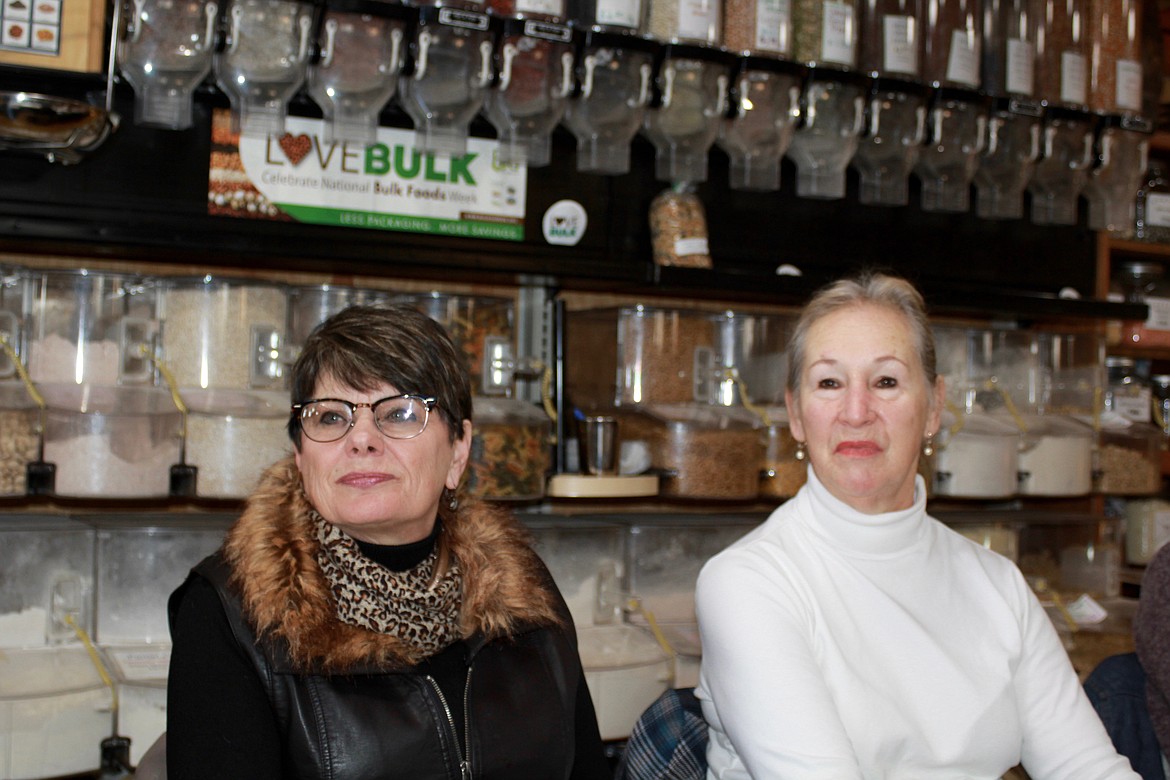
(394, 723)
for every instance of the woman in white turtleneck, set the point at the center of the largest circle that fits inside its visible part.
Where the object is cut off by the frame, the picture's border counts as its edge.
(854, 636)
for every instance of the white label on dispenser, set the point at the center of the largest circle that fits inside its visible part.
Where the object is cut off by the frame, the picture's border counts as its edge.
(963, 60)
(1158, 210)
(1020, 67)
(838, 33)
(1159, 318)
(684, 247)
(619, 13)
(773, 23)
(1129, 84)
(900, 44)
(698, 20)
(1074, 79)
(550, 7)
(1135, 407)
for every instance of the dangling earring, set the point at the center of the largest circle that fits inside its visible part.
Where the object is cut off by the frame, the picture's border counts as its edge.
(928, 445)
(800, 453)
(452, 499)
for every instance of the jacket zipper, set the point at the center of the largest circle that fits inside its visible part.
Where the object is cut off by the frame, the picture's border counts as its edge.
(463, 753)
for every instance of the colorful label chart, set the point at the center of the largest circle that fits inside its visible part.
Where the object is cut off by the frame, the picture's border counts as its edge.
(31, 26)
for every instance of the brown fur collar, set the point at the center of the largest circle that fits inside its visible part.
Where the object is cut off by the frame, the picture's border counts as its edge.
(271, 551)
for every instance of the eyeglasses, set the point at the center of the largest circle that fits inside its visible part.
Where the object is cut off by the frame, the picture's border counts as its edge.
(397, 416)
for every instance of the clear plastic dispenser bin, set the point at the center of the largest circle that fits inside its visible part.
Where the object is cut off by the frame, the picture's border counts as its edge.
(888, 149)
(483, 329)
(633, 355)
(140, 559)
(225, 334)
(691, 99)
(765, 105)
(233, 436)
(93, 328)
(664, 556)
(1066, 156)
(1011, 29)
(19, 436)
(615, 71)
(586, 557)
(1071, 379)
(1129, 456)
(1122, 160)
(14, 287)
(1008, 159)
(165, 53)
(535, 83)
(832, 119)
(362, 45)
(782, 473)
(1056, 456)
(451, 72)
(310, 305)
(955, 134)
(263, 60)
(54, 708)
(989, 370)
(702, 450)
(976, 456)
(111, 442)
(510, 450)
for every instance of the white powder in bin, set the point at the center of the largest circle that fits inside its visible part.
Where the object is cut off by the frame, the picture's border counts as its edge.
(208, 333)
(1057, 466)
(111, 442)
(977, 466)
(54, 359)
(232, 437)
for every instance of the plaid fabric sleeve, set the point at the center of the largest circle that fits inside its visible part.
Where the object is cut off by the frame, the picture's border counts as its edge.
(669, 741)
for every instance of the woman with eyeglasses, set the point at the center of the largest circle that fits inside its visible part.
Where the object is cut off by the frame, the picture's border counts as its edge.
(361, 620)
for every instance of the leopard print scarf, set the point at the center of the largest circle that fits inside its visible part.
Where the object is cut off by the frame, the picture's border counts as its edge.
(402, 604)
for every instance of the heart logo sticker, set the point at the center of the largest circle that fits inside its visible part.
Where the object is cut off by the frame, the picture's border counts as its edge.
(296, 147)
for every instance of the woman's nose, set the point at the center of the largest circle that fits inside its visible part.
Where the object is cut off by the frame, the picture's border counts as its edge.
(858, 405)
(365, 435)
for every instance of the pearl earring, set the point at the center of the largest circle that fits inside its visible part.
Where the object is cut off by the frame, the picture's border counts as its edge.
(928, 445)
(800, 453)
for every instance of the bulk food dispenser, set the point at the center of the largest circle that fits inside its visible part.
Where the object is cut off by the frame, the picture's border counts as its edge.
(14, 286)
(534, 52)
(138, 560)
(991, 378)
(92, 353)
(361, 46)
(1010, 31)
(450, 73)
(765, 95)
(164, 54)
(833, 100)
(691, 86)
(896, 110)
(1115, 94)
(957, 114)
(614, 68)
(510, 446)
(224, 347)
(262, 61)
(55, 709)
(1062, 81)
(680, 382)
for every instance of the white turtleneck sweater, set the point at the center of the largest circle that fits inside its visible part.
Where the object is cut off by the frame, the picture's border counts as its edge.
(842, 645)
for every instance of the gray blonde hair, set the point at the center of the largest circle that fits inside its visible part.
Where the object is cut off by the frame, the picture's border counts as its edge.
(868, 287)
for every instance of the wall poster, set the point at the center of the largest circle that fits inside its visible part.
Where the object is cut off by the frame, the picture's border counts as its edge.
(387, 185)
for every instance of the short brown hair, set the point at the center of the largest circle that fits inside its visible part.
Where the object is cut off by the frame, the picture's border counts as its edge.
(367, 346)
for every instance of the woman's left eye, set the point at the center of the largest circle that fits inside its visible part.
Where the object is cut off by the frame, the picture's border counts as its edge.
(887, 381)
